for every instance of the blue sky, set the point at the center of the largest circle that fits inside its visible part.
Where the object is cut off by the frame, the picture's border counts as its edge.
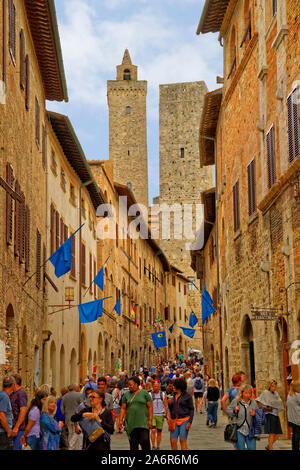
(162, 41)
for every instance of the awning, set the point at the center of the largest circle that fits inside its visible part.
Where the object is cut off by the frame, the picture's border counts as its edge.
(208, 126)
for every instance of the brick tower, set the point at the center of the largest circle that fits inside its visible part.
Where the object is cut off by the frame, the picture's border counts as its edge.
(128, 129)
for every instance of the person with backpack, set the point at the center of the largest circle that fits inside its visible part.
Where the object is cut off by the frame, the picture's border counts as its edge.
(160, 407)
(232, 392)
(243, 409)
(198, 391)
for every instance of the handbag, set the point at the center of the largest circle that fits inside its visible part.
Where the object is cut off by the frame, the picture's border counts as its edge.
(92, 429)
(230, 432)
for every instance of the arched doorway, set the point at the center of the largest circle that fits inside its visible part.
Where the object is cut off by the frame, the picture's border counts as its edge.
(247, 350)
(62, 377)
(11, 346)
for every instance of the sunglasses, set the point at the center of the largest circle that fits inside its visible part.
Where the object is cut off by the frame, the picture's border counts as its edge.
(93, 397)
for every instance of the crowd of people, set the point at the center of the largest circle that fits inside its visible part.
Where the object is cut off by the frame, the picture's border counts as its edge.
(85, 416)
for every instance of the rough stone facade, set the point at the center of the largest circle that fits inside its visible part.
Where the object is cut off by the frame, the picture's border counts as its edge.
(258, 259)
(181, 179)
(128, 129)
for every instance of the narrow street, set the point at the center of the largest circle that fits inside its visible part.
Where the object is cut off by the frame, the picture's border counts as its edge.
(201, 437)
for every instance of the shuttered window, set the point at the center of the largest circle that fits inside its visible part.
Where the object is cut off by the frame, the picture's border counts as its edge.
(62, 231)
(38, 259)
(27, 239)
(66, 233)
(27, 83)
(251, 187)
(9, 205)
(52, 229)
(57, 239)
(17, 222)
(22, 60)
(95, 286)
(37, 122)
(73, 265)
(293, 124)
(83, 265)
(22, 228)
(271, 158)
(236, 207)
(12, 31)
(91, 273)
(44, 147)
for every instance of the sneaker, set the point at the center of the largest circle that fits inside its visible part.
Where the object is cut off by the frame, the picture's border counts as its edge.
(153, 448)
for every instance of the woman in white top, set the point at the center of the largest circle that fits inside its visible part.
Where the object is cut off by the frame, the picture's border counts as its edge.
(293, 409)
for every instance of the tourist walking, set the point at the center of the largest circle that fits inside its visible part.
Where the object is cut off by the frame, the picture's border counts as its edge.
(50, 428)
(69, 404)
(18, 401)
(293, 409)
(137, 414)
(198, 391)
(181, 413)
(93, 417)
(213, 395)
(160, 408)
(32, 433)
(243, 409)
(116, 396)
(6, 414)
(232, 392)
(272, 404)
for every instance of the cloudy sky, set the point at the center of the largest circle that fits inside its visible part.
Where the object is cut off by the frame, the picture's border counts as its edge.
(162, 41)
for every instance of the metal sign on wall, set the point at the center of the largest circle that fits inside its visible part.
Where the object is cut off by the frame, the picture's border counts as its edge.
(265, 313)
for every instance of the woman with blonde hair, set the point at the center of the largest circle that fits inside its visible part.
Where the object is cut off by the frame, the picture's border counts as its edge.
(293, 409)
(271, 402)
(50, 428)
(243, 409)
(213, 395)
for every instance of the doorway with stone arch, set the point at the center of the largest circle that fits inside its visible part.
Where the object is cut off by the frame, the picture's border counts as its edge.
(247, 350)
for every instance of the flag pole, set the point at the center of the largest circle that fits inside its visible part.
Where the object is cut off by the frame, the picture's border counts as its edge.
(94, 279)
(35, 272)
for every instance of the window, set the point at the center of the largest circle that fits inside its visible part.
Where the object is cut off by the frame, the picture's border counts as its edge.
(191, 284)
(37, 122)
(73, 265)
(274, 7)
(236, 206)
(182, 152)
(293, 124)
(63, 180)
(128, 110)
(83, 264)
(179, 287)
(251, 187)
(232, 51)
(127, 75)
(22, 60)
(53, 163)
(44, 147)
(27, 84)
(271, 158)
(248, 25)
(38, 259)
(179, 313)
(12, 31)
(173, 281)
(72, 193)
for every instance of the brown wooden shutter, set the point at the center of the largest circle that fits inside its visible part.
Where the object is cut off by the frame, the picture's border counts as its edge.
(22, 60)
(236, 208)
(4, 31)
(52, 223)
(251, 187)
(27, 86)
(91, 273)
(83, 264)
(27, 239)
(37, 122)
(9, 205)
(95, 274)
(12, 30)
(22, 230)
(66, 231)
(293, 125)
(62, 231)
(57, 240)
(44, 267)
(44, 146)
(17, 221)
(38, 259)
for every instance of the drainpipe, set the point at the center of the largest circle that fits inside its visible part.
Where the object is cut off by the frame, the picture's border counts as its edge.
(83, 185)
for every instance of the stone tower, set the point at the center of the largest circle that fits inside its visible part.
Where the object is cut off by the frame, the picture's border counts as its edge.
(128, 129)
(181, 179)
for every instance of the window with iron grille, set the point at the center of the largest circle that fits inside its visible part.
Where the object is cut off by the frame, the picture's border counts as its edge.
(271, 157)
(293, 124)
(236, 207)
(251, 187)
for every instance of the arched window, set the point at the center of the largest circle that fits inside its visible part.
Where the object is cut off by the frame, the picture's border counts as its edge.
(127, 75)
(232, 52)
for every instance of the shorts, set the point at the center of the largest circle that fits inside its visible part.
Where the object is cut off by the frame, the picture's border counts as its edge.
(180, 431)
(158, 422)
(198, 394)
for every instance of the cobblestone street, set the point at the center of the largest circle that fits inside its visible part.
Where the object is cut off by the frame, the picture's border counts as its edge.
(201, 437)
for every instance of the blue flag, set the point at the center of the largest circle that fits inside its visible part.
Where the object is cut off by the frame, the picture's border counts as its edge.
(188, 331)
(171, 328)
(207, 305)
(99, 279)
(193, 320)
(117, 307)
(62, 258)
(90, 311)
(159, 339)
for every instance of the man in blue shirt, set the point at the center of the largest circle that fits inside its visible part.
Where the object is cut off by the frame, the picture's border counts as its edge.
(6, 414)
(153, 370)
